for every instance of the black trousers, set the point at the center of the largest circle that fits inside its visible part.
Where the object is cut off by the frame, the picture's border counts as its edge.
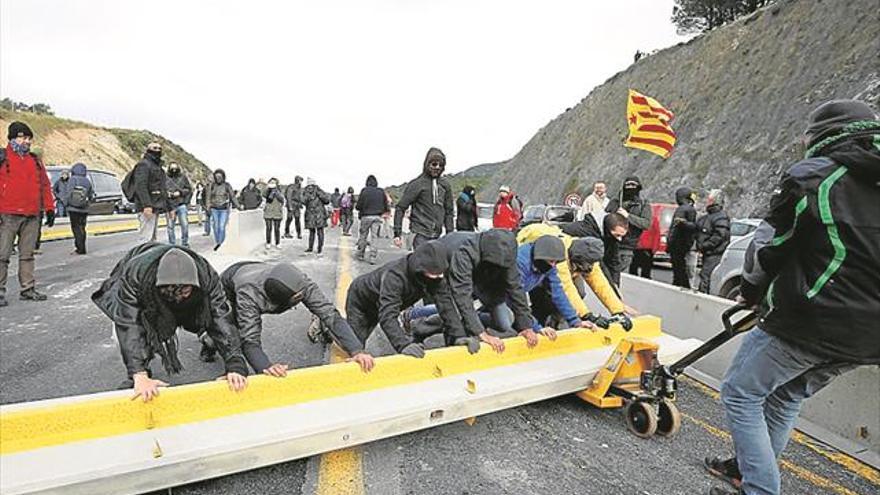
(320, 233)
(643, 261)
(273, 225)
(78, 226)
(679, 268)
(347, 219)
(291, 216)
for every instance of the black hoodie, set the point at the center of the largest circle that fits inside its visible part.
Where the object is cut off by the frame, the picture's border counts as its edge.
(640, 214)
(431, 200)
(372, 200)
(818, 250)
(683, 227)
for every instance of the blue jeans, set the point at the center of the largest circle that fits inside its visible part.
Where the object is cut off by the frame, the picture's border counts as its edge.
(762, 393)
(423, 311)
(60, 209)
(181, 218)
(219, 219)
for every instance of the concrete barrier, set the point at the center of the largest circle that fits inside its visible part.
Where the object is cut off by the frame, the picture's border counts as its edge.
(846, 414)
(245, 232)
(101, 225)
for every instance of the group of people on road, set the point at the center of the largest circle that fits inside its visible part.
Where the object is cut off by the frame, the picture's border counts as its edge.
(708, 235)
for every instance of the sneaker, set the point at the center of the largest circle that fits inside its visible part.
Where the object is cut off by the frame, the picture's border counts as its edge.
(3, 302)
(288, 236)
(725, 469)
(320, 254)
(278, 247)
(208, 353)
(32, 295)
(268, 247)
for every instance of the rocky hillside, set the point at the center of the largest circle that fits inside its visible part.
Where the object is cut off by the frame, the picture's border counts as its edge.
(65, 142)
(740, 93)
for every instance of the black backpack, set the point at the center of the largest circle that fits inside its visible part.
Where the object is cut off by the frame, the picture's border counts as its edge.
(128, 185)
(78, 197)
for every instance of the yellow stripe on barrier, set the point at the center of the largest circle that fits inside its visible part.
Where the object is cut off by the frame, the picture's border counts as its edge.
(60, 232)
(37, 427)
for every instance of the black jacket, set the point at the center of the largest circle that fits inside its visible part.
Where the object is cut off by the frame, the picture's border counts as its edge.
(483, 266)
(371, 201)
(713, 231)
(466, 218)
(431, 212)
(180, 184)
(293, 195)
(684, 226)
(250, 197)
(588, 227)
(120, 297)
(244, 284)
(380, 296)
(820, 248)
(149, 185)
(640, 215)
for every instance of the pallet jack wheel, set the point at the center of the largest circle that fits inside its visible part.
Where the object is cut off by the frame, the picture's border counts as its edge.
(669, 419)
(641, 418)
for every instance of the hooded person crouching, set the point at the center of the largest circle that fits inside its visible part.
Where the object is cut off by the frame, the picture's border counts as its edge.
(430, 197)
(156, 288)
(256, 288)
(378, 297)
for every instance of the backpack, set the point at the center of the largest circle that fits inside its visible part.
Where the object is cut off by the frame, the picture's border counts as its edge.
(78, 197)
(127, 185)
(346, 201)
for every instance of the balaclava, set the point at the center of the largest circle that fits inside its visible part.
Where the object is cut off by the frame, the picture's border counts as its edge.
(283, 283)
(585, 252)
(547, 249)
(430, 257)
(632, 191)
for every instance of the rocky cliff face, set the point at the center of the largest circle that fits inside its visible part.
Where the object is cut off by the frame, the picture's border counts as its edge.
(741, 95)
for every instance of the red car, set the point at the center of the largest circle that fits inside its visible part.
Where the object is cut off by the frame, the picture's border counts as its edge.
(655, 237)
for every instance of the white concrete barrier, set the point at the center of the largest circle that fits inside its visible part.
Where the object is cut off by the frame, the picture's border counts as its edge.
(846, 414)
(245, 232)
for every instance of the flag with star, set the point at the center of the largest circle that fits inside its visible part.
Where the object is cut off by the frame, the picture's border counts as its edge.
(649, 125)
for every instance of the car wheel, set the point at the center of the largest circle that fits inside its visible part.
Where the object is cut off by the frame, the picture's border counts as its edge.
(731, 289)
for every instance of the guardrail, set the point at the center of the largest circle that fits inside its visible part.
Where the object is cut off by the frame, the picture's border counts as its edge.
(846, 414)
(100, 225)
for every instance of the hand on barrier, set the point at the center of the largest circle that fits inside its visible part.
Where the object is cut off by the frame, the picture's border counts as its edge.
(277, 370)
(587, 324)
(237, 382)
(598, 320)
(50, 218)
(495, 343)
(364, 360)
(398, 242)
(550, 333)
(414, 350)
(624, 321)
(530, 336)
(473, 345)
(146, 387)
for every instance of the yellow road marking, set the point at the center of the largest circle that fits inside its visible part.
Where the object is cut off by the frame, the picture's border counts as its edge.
(851, 464)
(60, 232)
(341, 472)
(799, 471)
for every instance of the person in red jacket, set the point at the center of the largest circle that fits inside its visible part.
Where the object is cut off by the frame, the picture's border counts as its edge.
(508, 210)
(25, 196)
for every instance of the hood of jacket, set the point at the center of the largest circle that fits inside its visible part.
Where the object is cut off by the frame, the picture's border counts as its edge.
(78, 170)
(371, 181)
(683, 195)
(584, 252)
(498, 247)
(434, 153)
(857, 152)
(221, 172)
(430, 257)
(632, 178)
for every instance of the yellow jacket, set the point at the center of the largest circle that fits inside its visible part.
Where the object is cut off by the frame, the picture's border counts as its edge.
(595, 279)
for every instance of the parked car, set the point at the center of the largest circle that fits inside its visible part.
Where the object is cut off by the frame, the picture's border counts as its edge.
(108, 191)
(655, 237)
(728, 274)
(740, 227)
(484, 216)
(551, 214)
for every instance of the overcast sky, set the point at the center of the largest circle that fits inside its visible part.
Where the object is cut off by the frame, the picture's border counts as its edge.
(332, 89)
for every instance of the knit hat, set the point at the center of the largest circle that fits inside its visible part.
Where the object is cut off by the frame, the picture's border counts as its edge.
(283, 282)
(505, 189)
(584, 252)
(548, 248)
(831, 117)
(17, 128)
(176, 267)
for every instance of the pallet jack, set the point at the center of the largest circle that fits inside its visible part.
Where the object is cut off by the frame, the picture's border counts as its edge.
(633, 376)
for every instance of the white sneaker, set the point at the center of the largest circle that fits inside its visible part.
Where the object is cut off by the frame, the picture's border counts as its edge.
(268, 247)
(278, 247)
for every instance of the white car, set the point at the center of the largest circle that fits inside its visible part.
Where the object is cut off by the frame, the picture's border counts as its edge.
(485, 212)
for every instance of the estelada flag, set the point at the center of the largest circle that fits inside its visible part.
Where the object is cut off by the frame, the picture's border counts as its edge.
(649, 127)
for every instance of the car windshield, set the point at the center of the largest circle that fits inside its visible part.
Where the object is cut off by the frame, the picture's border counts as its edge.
(741, 228)
(666, 218)
(533, 213)
(560, 214)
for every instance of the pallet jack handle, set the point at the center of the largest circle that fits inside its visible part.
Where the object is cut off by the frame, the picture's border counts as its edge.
(730, 331)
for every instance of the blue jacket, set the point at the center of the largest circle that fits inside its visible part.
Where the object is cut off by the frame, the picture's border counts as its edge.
(79, 178)
(532, 278)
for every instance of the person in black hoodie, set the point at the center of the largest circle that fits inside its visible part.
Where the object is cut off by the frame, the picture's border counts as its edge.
(156, 288)
(466, 208)
(814, 267)
(681, 236)
(637, 211)
(713, 236)
(250, 196)
(372, 203)
(379, 297)
(149, 182)
(430, 197)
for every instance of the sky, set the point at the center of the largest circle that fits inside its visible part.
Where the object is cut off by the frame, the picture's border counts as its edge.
(333, 90)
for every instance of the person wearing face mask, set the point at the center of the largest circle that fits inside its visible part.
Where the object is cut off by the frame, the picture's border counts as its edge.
(59, 189)
(220, 199)
(637, 210)
(378, 297)
(151, 196)
(430, 197)
(273, 212)
(179, 193)
(25, 196)
(156, 288)
(250, 197)
(681, 236)
(255, 289)
(583, 257)
(466, 210)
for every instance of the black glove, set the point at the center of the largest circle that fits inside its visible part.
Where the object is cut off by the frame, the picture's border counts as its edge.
(624, 321)
(415, 350)
(598, 320)
(751, 294)
(473, 345)
(50, 218)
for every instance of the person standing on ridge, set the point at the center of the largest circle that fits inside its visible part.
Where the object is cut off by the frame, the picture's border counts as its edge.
(713, 236)
(430, 197)
(637, 211)
(681, 236)
(293, 196)
(27, 196)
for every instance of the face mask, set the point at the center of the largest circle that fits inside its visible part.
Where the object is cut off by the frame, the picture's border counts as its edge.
(543, 266)
(173, 172)
(157, 154)
(20, 148)
(629, 193)
(174, 294)
(272, 185)
(218, 179)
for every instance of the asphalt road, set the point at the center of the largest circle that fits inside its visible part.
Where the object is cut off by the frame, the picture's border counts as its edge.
(563, 446)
